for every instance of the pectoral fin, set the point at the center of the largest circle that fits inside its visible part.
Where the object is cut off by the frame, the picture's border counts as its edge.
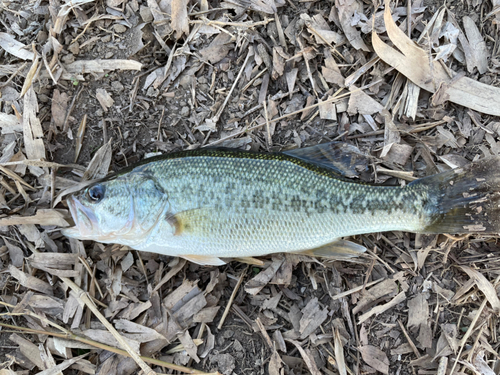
(337, 249)
(189, 221)
(204, 260)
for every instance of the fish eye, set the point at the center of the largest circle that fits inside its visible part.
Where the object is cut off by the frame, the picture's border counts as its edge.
(96, 193)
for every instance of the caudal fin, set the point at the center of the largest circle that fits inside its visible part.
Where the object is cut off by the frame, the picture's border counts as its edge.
(464, 200)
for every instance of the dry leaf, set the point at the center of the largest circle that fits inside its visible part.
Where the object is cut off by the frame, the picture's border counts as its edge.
(414, 63)
(99, 165)
(484, 286)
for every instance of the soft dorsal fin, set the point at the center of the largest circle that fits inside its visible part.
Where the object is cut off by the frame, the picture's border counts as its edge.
(340, 157)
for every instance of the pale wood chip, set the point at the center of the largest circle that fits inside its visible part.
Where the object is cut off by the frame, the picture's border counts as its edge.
(218, 48)
(185, 313)
(375, 358)
(361, 103)
(15, 48)
(32, 129)
(137, 332)
(180, 20)
(175, 299)
(104, 99)
(328, 110)
(274, 364)
(307, 357)
(312, 317)
(99, 165)
(478, 46)
(15, 252)
(418, 319)
(107, 338)
(189, 346)
(381, 308)
(208, 344)
(10, 124)
(206, 315)
(256, 284)
(46, 217)
(339, 352)
(265, 6)
(386, 289)
(59, 108)
(30, 282)
(29, 350)
(346, 11)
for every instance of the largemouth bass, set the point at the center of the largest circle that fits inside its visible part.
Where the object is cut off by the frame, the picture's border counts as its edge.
(208, 204)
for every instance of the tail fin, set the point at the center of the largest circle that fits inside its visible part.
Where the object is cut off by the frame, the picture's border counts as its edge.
(464, 200)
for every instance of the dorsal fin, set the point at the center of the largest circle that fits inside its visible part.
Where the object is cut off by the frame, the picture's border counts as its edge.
(340, 157)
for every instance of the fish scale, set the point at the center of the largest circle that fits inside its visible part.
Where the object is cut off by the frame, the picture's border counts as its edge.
(207, 204)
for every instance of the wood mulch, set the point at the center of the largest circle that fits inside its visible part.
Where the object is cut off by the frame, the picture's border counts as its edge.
(88, 87)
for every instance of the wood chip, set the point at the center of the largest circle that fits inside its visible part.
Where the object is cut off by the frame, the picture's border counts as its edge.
(375, 358)
(15, 48)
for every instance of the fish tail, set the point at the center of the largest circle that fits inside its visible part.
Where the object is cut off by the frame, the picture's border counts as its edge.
(464, 200)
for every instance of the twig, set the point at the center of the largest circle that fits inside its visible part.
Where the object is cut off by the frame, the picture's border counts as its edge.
(408, 338)
(471, 329)
(65, 125)
(231, 299)
(85, 298)
(215, 119)
(245, 88)
(71, 336)
(269, 141)
(234, 24)
(3, 84)
(331, 100)
(354, 290)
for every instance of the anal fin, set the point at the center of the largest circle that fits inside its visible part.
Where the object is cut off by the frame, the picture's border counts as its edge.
(248, 260)
(204, 260)
(336, 249)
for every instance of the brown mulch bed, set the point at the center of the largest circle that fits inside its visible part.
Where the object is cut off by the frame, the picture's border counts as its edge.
(88, 87)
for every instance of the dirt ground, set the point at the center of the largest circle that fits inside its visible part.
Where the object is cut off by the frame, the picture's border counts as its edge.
(90, 87)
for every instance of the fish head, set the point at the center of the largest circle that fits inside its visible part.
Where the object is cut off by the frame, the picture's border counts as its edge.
(122, 209)
(101, 212)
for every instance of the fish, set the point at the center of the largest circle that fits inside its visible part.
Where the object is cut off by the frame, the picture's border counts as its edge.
(208, 205)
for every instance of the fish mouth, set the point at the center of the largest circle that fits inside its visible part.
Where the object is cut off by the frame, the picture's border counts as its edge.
(85, 220)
